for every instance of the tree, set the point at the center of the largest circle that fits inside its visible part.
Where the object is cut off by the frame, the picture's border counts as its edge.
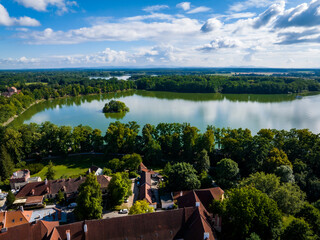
(50, 172)
(298, 229)
(116, 165)
(132, 161)
(60, 197)
(140, 207)
(277, 158)
(115, 107)
(183, 177)
(253, 236)
(89, 200)
(6, 164)
(285, 173)
(202, 161)
(10, 199)
(311, 215)
(226, 173)
(247, 210)
(118, 188)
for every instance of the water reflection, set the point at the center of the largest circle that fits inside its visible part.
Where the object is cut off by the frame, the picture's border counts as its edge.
(231, 110)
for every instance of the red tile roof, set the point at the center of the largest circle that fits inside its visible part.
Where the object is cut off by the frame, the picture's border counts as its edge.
(145, 192)
(68, 186)
(34, 200)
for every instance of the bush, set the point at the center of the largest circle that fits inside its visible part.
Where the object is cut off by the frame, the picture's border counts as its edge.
(133, 175)
(35, 167)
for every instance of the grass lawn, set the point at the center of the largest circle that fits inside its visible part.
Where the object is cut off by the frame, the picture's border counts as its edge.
(72, 165)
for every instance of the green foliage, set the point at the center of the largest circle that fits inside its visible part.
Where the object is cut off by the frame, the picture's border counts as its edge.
(298, 229)
(60, 197)
(50, 172)
(6, 164)
(247, 210)
(107, 171)
(35, 167)
(202, 161)
(311, 215)
(132, 161)
(115, 107)
(285, 173)
(253, 236)
(10, 199)
(288, 196)
(226, 173)
(182, 176)
(140, 207)
(116, 165)
(89, 200)
(276, 159)
(119, 187)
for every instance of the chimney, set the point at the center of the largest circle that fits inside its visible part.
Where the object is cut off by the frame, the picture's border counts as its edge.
(46, 181)
(181, 193)
(206, 236)
(85, 228)
(68, 235)
(197, 204)
(21, 208)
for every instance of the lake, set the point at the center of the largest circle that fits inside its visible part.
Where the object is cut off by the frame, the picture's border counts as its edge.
(124, 77)
(221, 110)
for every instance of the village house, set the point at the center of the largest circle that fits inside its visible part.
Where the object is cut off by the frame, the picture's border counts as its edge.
(10, 219)
(10, 91)
(97, 171)
(21, 178)
(50, 188)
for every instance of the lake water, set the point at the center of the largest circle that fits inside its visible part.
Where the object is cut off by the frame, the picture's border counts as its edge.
(221, 110)
(124, 77)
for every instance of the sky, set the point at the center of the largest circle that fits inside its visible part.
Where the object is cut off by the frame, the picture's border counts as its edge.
(162, 33)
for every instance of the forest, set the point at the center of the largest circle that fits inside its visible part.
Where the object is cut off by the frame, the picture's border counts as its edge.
(278, 170)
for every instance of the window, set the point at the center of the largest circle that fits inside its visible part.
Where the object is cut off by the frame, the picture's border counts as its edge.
(13, 220)
(20, 219)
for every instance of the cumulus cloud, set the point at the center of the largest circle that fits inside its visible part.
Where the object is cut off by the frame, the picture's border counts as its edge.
(6, 20)
(304, 15)
(199, 10)
(220, 44)
(272, 12)
(42, 5)
(211, 25)
(184, 5)
(155, 8)
(306, 36)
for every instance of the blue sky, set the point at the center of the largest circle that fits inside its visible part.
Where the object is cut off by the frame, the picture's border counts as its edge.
(141, 33)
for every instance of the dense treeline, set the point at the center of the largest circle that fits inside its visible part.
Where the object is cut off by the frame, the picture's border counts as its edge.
(228, 84)
(270, 178)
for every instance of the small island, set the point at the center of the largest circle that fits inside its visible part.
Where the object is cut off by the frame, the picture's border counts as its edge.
(115, 107)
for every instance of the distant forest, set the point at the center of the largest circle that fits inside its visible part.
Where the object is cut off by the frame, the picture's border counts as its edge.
(38, 85)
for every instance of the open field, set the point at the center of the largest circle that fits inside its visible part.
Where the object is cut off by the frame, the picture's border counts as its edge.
(72, 165)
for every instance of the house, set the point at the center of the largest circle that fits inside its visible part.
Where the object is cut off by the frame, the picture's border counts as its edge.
(50, 188)
(11, 91)
(183, 223)
(19, 179)
(97, 171)
(34, 202)
(10, 219)
(49, 214)
(201, 198)
(145, 189)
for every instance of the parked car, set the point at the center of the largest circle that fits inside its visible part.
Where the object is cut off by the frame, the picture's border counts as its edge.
(123, 211)
(72, 205)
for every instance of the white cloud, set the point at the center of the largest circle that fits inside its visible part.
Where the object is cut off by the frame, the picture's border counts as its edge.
(211, 25)
(121, 31)
(6, 20)
(184, 5)
(244, 5)
(42, 5)
(155, 8)
(199, 10)
(220, 44)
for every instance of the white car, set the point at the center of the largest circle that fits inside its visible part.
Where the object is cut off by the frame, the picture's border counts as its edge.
(123, 211)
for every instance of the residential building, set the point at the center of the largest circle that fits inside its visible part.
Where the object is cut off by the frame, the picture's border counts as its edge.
(19, 179)
(97, 171)
(10, 219)
(184, 223)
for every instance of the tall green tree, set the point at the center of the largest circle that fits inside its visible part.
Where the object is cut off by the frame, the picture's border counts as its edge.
(298, 229)
(50, 174)
(89, 201)
(226, 173)
(6, 164)
(248, 210)
(118, 188)
(182, 176)
(202, 163)
(132, 161)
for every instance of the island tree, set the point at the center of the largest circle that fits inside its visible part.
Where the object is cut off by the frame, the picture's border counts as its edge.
(115, 107)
